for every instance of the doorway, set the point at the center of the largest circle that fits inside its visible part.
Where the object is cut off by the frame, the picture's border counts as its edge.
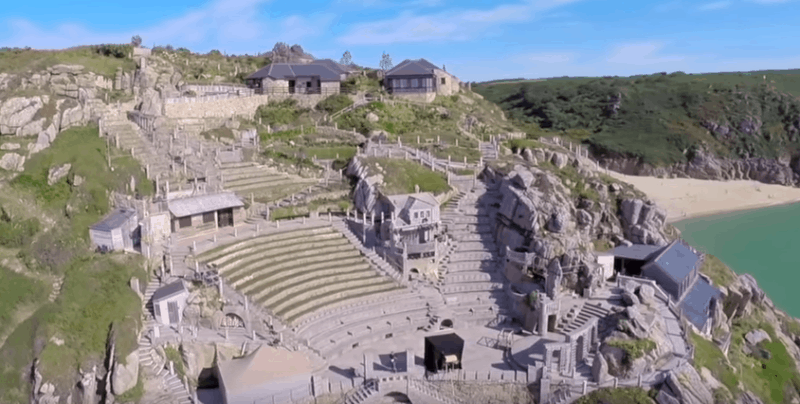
(291, 86)
(551, 323)
(225, 217)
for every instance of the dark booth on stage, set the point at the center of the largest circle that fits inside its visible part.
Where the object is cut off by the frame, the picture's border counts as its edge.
(443, 352)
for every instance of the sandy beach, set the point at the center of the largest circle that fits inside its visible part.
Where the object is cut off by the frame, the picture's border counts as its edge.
(685, 198)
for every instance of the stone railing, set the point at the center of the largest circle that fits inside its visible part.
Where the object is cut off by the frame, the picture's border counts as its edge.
(522, 258)
(144, 121)
(207, 98)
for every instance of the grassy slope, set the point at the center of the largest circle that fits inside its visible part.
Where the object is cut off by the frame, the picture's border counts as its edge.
(400, 176)
(203, 68)
(21, 61)
(659, 119)
(95, 293)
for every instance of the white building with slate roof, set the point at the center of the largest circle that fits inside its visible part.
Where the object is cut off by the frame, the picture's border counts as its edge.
(420, 77)
(318, 77)
(205, 212)
(116, 232)
(410, 227)
(169, 303)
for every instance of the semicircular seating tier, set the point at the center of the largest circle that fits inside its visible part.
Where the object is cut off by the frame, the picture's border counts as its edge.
(263, 183)
(298, 273)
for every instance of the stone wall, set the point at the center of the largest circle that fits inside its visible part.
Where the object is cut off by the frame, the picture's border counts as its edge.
(418, 97)
(452, 84)
(208, 98)
(213, 89)
(239, 106)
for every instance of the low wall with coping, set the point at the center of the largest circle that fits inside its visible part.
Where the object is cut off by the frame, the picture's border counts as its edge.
(223, 106)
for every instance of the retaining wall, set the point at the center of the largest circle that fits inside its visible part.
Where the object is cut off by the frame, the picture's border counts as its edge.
(221, 106)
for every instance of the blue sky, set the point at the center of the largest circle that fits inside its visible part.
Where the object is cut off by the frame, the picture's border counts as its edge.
(477, 41)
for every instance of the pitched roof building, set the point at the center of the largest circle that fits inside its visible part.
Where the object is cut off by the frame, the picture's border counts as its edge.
(319, 76)
(420, 79)
(265, 374)
(117, 231)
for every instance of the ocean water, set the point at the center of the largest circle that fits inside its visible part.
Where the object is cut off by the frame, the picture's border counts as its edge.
(762, 242)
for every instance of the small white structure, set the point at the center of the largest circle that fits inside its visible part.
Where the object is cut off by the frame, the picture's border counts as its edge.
(117, 231)
(606, 261)
(411, 228)
(169, 302)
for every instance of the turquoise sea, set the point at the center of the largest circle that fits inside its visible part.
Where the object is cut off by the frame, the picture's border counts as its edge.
(762, 242)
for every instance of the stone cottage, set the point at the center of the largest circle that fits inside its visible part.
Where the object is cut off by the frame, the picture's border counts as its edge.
(119, 231)
(318, 77)
(196, 214)
(420, 79)
(409, 226)
(169, 302)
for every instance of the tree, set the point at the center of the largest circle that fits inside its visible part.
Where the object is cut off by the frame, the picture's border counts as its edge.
(386, 62)
(347, 59)
(136, 41)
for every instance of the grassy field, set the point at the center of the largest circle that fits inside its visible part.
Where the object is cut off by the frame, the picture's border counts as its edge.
(660, 116)
(719, 273)
(17, 290)
(634, 349)
(400, 176)
(21, 60)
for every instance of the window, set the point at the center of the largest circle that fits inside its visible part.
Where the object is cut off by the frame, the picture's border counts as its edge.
(416, 215)
(157, 309)
(308, 84)
(442, 80)
(185, 222)
(414, 82)
(208, 217)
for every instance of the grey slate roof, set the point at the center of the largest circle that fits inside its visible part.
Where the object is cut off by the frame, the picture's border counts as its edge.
(333, 65)
(287, 71)
(114, 220)
(677, 261)
(170, 290)
(408, 67)
(697, 301)
(640, 252)
(195, 205)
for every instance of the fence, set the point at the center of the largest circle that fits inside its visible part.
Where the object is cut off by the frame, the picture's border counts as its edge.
(203, 89)
(207, 98)
(144, 121)
(303, 90)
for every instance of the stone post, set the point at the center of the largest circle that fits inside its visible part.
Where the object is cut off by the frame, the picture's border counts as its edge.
(235, 232)
(585, 385)
(417, 139)
(214, 240)
(245, 303)
(194, 246)
(256, 229)
(640, 380)
(616, 382)
(330, 219)
(277, 224)
(156, 332)
(184, 167)
(171, 368)
(226, 333)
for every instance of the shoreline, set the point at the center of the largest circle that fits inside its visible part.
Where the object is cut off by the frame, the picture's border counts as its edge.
(688, 198)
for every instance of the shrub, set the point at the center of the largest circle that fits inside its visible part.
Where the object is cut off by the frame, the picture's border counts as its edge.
(280, 113)
(112, 50)
(335, 103)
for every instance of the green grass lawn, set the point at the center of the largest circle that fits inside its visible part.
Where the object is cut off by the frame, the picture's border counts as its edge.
(634, 349)
(709, 356)
(17, 290)
(400, 176)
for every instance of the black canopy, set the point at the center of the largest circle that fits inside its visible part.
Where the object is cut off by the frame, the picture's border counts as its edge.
(442, 351)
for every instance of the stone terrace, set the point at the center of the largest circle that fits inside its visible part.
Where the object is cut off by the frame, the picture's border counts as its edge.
(299, 272)
(263, 183)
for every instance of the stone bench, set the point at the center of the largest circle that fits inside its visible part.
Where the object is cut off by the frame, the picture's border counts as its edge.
(267, 281)
(342, 345)
(309, 321)
(467, 277)
(471, 298)
(476, 246)
(471, 287)
(261, 269)
(333, 276)
(271, 250)
(212, 255)
(354, 330)
(372, 314)
(236, 183)
(262, 185)
(470, 266)
(309, 296)
(457, 256)
(336, 295)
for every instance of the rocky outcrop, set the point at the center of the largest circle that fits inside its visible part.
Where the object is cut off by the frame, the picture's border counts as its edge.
(600, 369)
(704, 165)
(125, 376)
(685, 384)
(17, 112)
(643, 222)
(12, 162)
(365, 195)
(56, 173)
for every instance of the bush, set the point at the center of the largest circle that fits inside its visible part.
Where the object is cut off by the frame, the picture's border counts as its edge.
(280, 113)
(335, 103)
(111, 50)
(634, 349)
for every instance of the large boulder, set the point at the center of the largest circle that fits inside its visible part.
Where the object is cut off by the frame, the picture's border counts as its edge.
(687, 386)
(12, 162)
(629, 298)
(372, 117)
(756, 336)
(56, 173)
(647, 294)
(558, 221)
(17, 112)
(151, 103)
(600, 369)
(125, 375)
(9, 146)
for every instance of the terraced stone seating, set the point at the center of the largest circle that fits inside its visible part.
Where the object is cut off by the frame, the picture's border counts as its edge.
(263, 183)
(332, 316)
(336, 347)
(588, 311)
(299, 272)
(462, 277)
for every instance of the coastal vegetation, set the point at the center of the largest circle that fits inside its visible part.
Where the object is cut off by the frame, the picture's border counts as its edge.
(401, 176)
(661, 119)
(622, 395)
(70, 332)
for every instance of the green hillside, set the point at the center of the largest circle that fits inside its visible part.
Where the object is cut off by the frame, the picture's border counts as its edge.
(661, 119)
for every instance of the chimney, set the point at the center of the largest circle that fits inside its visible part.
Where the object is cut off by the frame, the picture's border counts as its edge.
(444, 68)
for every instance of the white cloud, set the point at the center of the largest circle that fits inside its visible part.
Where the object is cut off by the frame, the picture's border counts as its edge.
(717, 5)
(448, 25)
(233, 26)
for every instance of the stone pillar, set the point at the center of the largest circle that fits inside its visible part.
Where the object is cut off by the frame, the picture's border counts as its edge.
(256, 229)
(171, 368)
(214, 240)
(156, 332)
(220, 289)
(216, 224)
(616, 382)
(226, 333)
(584, 387)
(640, 380)
(366, 366)
(235, 232)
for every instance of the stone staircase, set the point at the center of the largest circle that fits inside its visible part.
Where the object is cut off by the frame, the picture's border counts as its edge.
(126, 136)
(488, 151)
(362, 394)
(376, 260)
(586, 313)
